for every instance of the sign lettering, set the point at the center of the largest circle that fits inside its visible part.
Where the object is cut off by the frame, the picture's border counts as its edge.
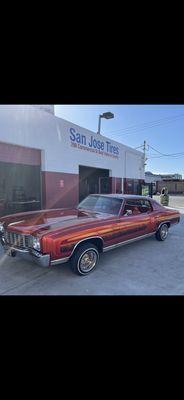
(102, 147)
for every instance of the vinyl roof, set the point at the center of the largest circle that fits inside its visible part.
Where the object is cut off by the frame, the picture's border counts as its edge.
(123, 196)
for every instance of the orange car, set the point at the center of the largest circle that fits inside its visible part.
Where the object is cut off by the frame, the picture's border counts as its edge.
(99, 223)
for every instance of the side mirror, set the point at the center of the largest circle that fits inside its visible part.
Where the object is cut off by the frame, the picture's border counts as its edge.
(129, 212)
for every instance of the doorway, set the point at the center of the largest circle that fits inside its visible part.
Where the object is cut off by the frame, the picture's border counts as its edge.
(93, 181)
(20, 188)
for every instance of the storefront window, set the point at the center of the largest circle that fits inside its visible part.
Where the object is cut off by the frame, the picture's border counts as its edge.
(132, 186)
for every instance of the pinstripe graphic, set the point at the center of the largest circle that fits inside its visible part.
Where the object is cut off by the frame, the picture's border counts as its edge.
(114, 246)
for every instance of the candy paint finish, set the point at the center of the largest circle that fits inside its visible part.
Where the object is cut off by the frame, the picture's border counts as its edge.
(61, 230)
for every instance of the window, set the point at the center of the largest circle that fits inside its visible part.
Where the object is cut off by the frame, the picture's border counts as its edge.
(102, 204)
(137, 206)
(147, 204)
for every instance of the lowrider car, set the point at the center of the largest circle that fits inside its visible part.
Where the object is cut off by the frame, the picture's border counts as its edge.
(98, 224)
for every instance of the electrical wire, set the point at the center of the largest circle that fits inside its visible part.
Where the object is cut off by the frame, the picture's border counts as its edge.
(166, 155)
(173, 156)
(145, 126)
(140, 147)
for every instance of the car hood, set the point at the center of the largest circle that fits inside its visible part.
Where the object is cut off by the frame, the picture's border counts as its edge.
(45, 221)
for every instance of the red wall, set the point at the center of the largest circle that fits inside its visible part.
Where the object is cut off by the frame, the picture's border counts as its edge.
(59, 190)
(62, 189)
(116, 185)
(129, 190)
(19, 154)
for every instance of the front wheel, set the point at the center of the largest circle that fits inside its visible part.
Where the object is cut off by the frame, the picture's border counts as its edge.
(85, 259)
(162, 232)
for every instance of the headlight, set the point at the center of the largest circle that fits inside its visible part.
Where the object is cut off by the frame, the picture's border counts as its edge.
(36, 244)
(1, 228)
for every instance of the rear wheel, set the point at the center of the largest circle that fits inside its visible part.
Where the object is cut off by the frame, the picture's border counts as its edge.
(85, 259)
(162, 233)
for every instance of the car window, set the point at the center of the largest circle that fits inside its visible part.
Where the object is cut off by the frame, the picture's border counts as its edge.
(147, 204)
(137, 206)
(102, 204)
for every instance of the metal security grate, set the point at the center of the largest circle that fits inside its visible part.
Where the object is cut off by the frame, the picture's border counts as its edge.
(18, 240)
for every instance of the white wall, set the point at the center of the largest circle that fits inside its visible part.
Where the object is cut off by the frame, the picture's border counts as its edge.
(134, 165)
(45, 107)
(31, 127)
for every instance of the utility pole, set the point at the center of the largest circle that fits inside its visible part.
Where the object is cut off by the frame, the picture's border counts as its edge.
(143, 146)
(145, 159)
(144, 149)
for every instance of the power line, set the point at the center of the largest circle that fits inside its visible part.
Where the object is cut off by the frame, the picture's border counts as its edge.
(143, 129)
(145, 126)
(174, 155)
(168, 157)
(139, 147)
(163, 154)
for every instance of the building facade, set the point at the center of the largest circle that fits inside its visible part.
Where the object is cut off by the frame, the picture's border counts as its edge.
(174, 182)
(174, 186)
(153, 178)
(171, 176)
(48, 162)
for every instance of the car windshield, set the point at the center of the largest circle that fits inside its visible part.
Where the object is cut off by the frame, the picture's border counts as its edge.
(101, 204)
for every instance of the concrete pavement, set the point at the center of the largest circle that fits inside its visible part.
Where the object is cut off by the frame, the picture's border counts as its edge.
(174, 201)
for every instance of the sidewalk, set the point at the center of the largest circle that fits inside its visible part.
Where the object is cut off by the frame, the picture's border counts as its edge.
(175, 202)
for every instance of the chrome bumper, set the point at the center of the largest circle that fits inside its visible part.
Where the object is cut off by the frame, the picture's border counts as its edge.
(30, 255)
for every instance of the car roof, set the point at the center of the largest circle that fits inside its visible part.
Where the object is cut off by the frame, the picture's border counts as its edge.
(123, 196)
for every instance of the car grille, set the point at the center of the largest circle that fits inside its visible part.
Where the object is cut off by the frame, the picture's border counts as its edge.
(18, 240)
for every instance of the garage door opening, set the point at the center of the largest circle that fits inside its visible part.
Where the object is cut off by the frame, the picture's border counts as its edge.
(92, 181)
(20, 188)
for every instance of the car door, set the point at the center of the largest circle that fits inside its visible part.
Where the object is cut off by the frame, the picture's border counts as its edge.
(150, 213)
(136, 224)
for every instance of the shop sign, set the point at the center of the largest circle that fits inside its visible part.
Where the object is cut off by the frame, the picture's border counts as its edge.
(103, 147)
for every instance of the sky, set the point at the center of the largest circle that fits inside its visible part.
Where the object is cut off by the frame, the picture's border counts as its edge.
(161, 126)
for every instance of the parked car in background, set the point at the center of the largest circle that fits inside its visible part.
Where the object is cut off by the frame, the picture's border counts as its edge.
(98, 224)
